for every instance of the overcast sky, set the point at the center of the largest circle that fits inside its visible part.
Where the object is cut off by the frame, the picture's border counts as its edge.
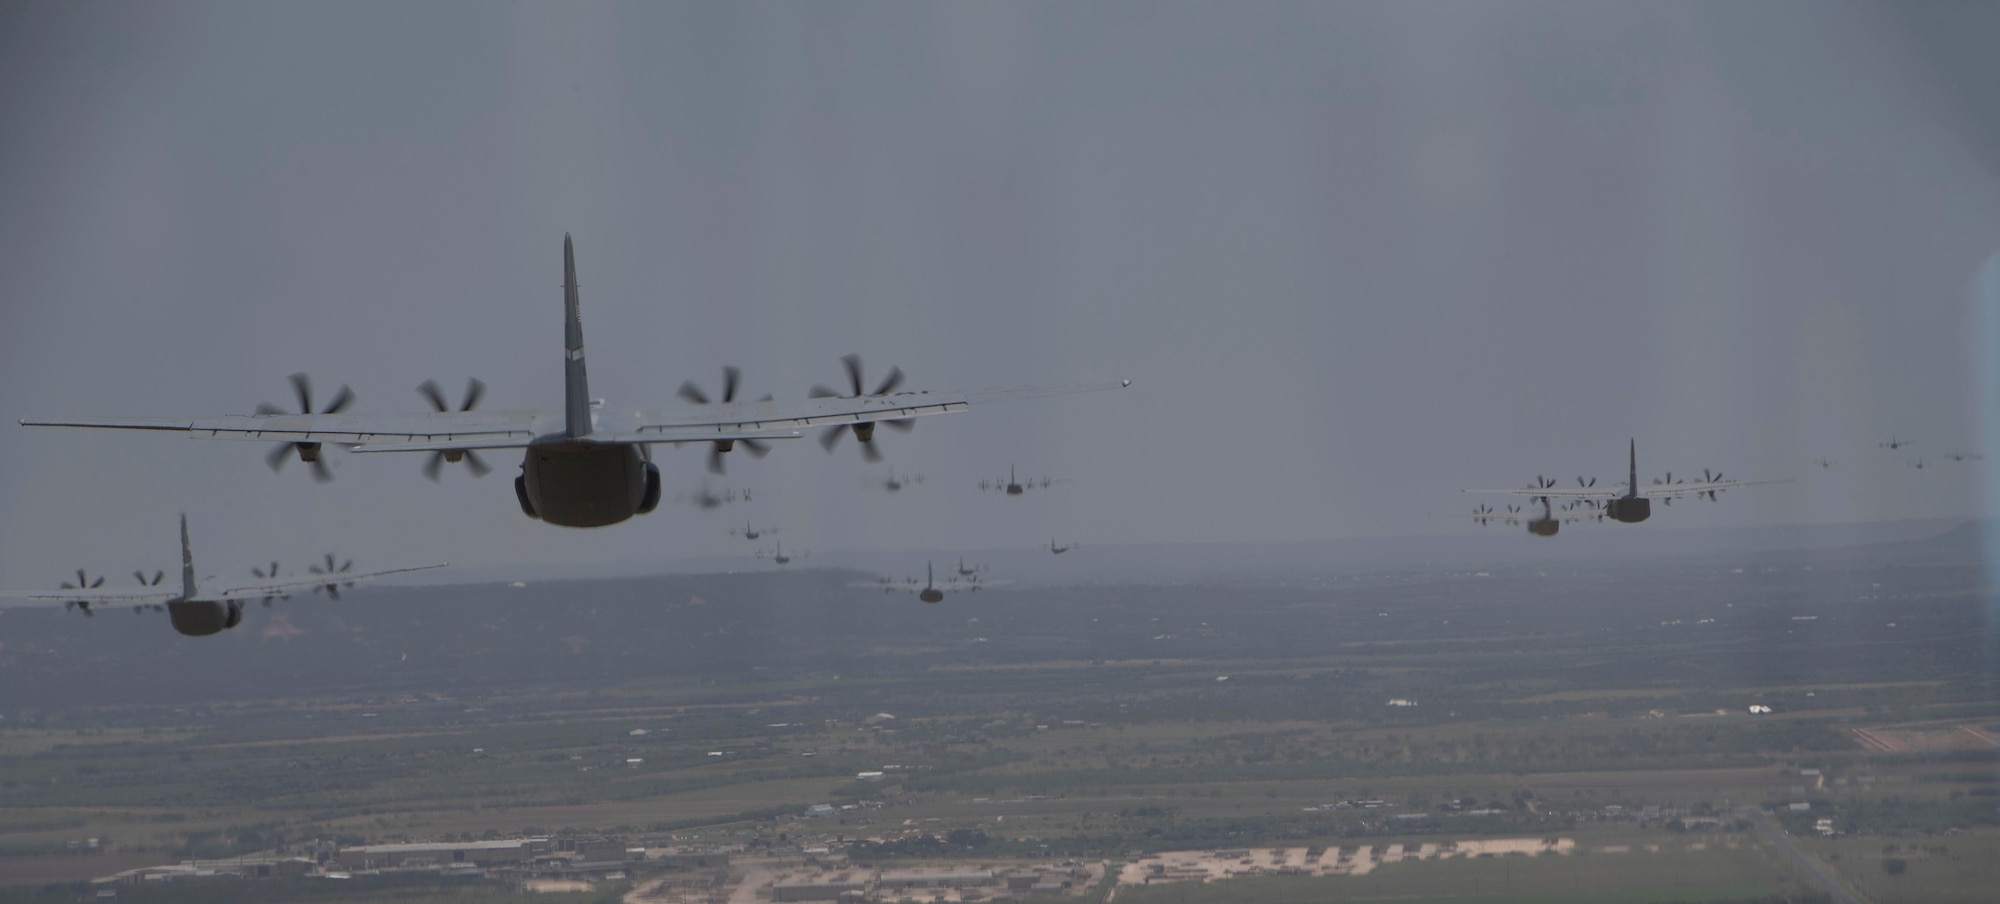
(1355, 257)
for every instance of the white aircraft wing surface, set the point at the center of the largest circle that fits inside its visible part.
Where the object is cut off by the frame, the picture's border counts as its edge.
(336, 577)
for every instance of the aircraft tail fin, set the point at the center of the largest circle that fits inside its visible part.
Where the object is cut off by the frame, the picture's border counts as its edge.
(576, 388)
(187, 562)
(1634, 474)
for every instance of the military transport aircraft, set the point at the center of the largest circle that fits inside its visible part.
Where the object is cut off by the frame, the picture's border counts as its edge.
(749, 532)
(1630, 505)
(1015, 487)
(191, 612)
(589, 464)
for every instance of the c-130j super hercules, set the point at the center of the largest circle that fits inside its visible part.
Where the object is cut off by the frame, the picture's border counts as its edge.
(589, 464)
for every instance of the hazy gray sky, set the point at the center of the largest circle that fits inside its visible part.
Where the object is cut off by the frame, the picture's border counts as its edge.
(1354, 256)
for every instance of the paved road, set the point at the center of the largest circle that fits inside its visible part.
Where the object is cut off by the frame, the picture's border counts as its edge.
(1809, 867)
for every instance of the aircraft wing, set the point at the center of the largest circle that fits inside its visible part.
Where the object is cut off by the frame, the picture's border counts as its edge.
(339, 577)
(112, 597)
(1677, 490)
(799, 414)
(454, 429)
(450, 430)
(1611, 492)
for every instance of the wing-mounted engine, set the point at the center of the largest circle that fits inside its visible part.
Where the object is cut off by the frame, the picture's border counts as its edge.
(333, 571)
(732, 379)
(84, 583)
(307, 452)
(474, 391)
(864, 432)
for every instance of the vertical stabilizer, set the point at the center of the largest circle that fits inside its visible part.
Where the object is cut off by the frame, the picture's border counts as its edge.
(187, 562)
(1633, 485)
(576, 388)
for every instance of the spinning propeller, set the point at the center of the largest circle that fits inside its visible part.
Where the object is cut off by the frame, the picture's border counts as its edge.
(271, 574)
(865, 431)
(308, 452)
(730, 378)
(332, 588)
(474, 391)
(83, 582)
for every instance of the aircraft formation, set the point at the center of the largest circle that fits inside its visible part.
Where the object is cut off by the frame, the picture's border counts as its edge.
(589, 464)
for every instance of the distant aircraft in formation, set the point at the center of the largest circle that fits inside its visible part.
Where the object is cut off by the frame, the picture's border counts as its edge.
(1631, 505)
(191, 612)
(895, 482)
(777, 554)
(709, 500)
(751, 533)
(1894, 443)
(930, 593)
(1015, 487)
(587, 465)
(1059, 550)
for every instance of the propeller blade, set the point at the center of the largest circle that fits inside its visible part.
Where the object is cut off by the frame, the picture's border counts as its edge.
(830, 437)
(333, 590)
(755, 447)
(474, 391)
(302, 388)
(341, 399)
(819, 391)
(693, 393)
(321, 472)
(890, 382)
(872, 454)
(715, 463)
(277, 457)
(434, 466)
(475, 464)
(430, 391)
(730, 377)
(853, 365)
(267, 409)
(903, 425)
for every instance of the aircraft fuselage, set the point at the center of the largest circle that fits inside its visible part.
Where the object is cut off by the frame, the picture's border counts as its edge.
(579, 483)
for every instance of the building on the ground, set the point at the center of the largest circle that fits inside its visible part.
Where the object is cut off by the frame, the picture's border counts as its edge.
(896, 880)
(690, 859)
(508, 852)
(819, 888)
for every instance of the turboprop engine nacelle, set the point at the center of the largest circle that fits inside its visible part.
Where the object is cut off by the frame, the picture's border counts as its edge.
(204, 617)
